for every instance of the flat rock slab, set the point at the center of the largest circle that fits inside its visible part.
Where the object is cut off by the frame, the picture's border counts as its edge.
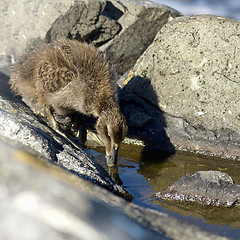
(191, 74)
(41, 201)
(205, 187)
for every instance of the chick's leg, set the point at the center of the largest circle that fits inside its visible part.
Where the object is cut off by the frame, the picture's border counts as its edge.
(55, 126)
(79, 130)
(51, 120)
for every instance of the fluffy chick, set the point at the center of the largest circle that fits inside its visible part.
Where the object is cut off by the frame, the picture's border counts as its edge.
(68, 77)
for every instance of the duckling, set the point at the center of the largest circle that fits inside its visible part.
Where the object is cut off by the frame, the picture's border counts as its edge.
(67, 77)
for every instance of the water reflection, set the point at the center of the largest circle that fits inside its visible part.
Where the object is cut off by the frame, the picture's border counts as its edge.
(212, 215)
(114, 174)
(145, 174)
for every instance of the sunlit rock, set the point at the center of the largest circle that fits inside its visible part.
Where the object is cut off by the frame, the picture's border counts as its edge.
(205, 187)
(190, 73)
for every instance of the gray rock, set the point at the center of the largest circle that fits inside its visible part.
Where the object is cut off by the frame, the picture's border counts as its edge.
(206, 187)
(39, 200)
(21, 127)
(27, 20)
(87, 21)
(191, 73)
(117, 26)
(140, 22)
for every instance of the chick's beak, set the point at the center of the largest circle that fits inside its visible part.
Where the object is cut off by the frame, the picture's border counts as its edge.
(112, 157)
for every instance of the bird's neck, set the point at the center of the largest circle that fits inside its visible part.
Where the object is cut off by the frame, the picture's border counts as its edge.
(111, 110)
(107, 106)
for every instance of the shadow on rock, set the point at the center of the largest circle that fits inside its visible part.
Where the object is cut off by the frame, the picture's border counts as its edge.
(150, 157)
(5, 90)
(145, 120)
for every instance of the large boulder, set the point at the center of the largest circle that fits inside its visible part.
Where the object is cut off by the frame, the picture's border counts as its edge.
(123, 29)
(190, 77)
(140, 21)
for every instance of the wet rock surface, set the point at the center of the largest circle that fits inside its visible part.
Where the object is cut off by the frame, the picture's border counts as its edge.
(115, 26)
(190, 75)
(41, 201)
(205, 187)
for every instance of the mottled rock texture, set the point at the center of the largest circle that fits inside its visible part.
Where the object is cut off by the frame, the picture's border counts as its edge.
(205, 187)
(123, 29)
(190, 75)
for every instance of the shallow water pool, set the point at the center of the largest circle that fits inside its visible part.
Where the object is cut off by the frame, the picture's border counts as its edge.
(143, 175)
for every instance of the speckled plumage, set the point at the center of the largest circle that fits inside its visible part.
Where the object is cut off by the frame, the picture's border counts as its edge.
(67, 77)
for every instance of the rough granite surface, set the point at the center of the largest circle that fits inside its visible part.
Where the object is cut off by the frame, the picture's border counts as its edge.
(191, 73)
